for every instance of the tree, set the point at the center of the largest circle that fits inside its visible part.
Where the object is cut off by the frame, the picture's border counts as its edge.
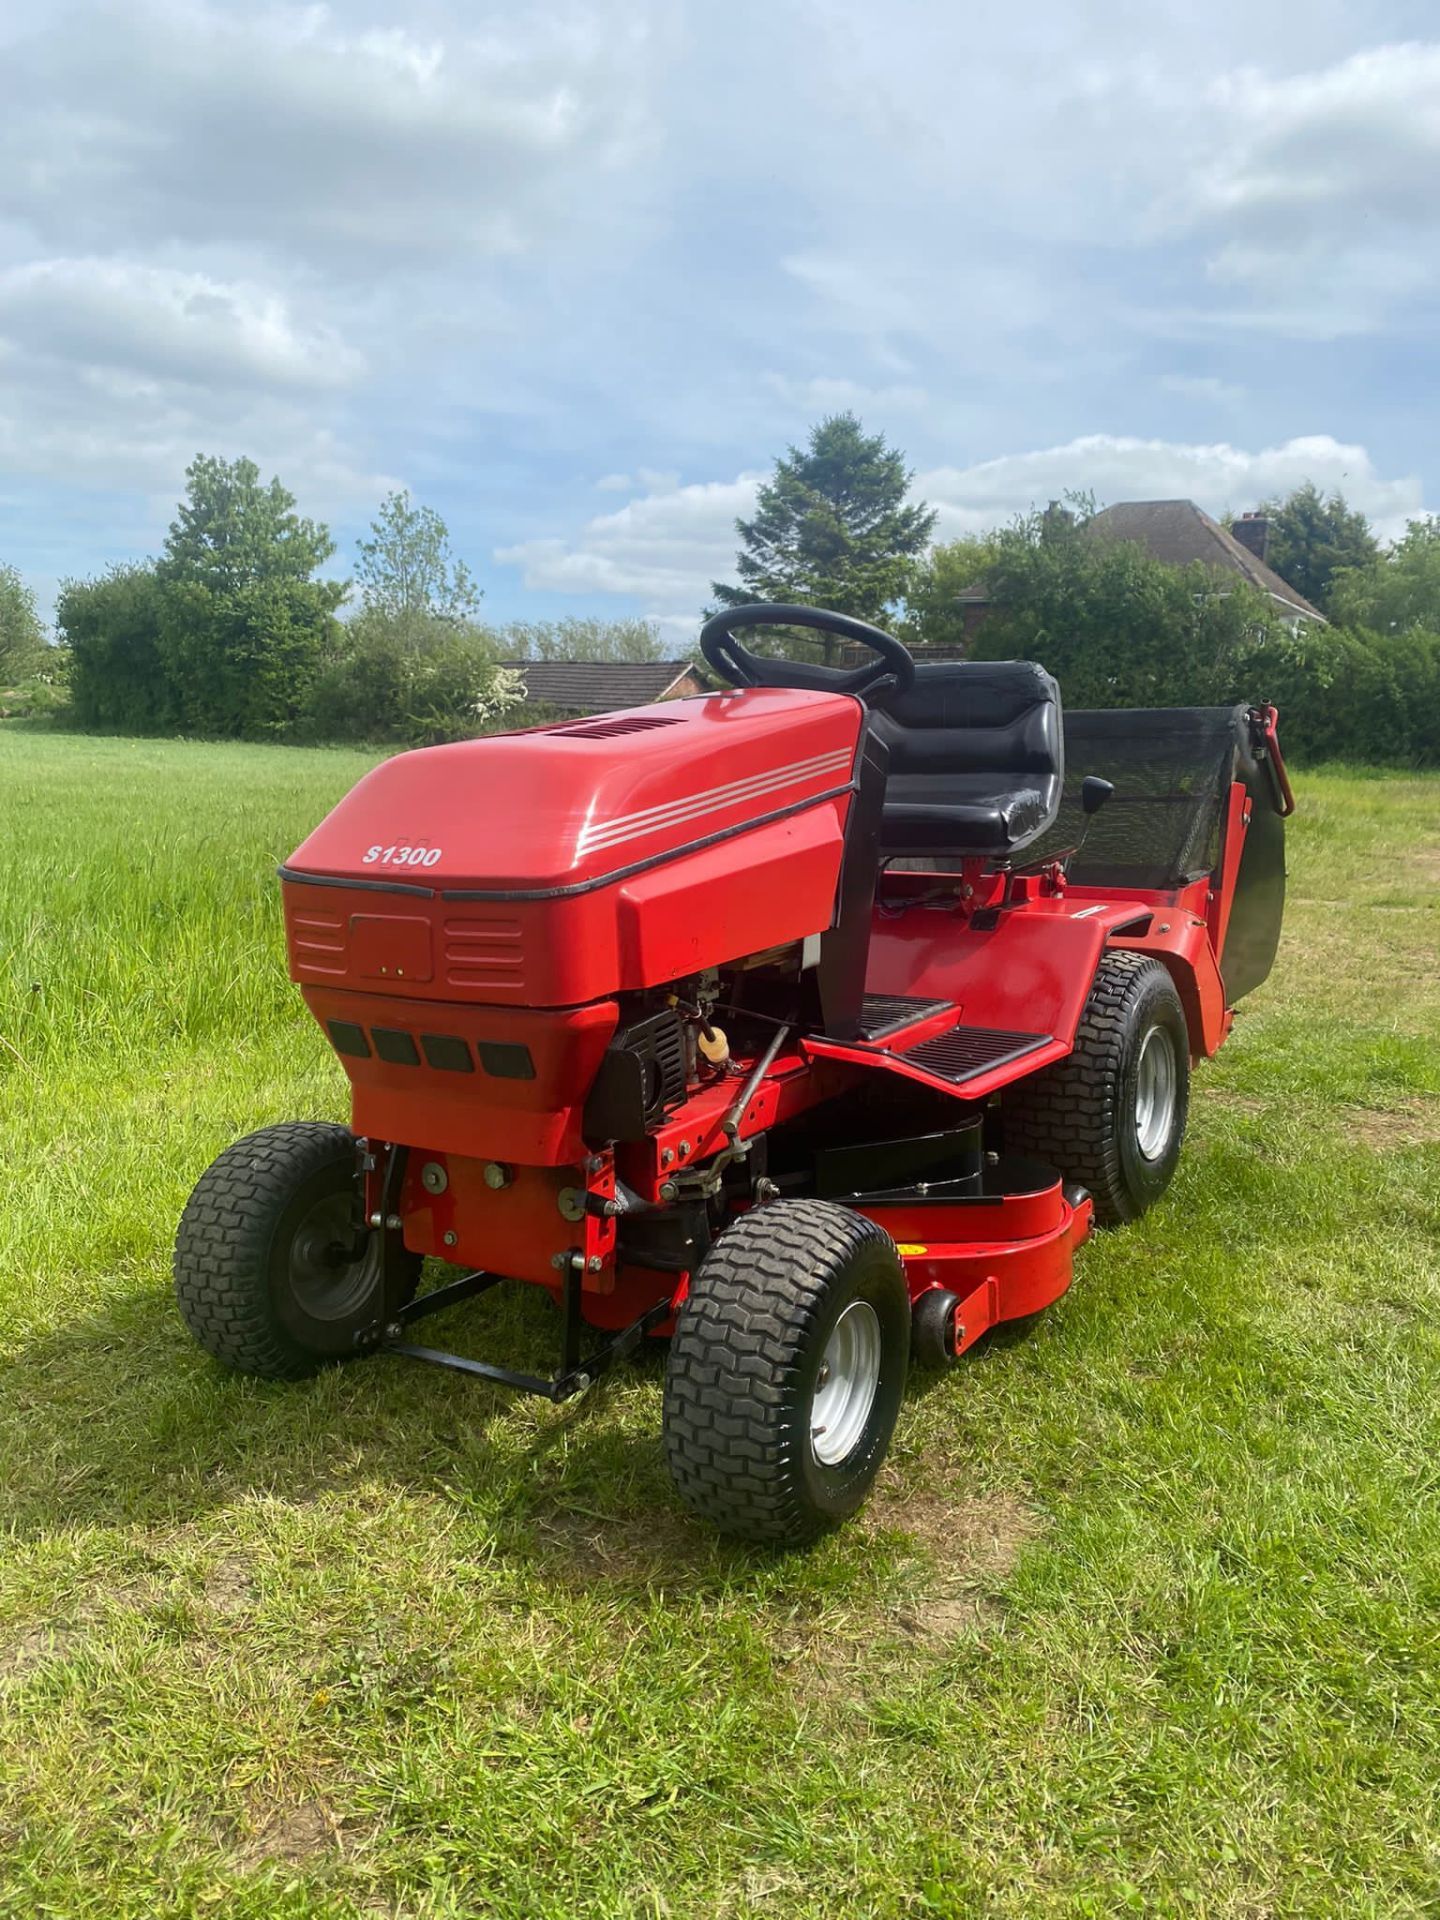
(22, 638)
(1400, 591)
(230, 531)
(832, 527)
(934, 615)
(1313, 538)
(244, 627)
(412, 664)
(406, 570)
(581, 639)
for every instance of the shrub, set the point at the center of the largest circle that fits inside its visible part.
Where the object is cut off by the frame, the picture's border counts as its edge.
(240, 661)
(119, 677)
(1117, 627)
(411, 678)
(1352, 695)
(40, 696)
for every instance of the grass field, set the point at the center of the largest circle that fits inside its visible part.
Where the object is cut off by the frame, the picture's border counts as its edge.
(1145, 1616)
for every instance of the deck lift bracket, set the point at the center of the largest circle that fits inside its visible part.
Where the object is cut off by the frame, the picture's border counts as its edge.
(575, 1373)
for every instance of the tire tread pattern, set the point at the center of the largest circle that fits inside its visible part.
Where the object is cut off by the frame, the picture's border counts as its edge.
(733, 1395)
(1069, 1115)
(224, 1242)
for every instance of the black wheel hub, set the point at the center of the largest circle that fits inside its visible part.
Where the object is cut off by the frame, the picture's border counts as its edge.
(327, 1277)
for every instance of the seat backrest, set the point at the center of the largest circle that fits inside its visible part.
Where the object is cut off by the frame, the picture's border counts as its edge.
(979, 716)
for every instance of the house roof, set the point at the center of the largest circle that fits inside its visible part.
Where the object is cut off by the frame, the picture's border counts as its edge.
(600, 686)
(1178, 532)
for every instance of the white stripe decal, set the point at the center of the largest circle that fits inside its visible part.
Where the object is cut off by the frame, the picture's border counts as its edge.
(820, 763)
(613, 833)
(632, 826)
(703, 811)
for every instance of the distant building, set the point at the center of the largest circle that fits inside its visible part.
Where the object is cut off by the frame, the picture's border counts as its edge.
(604, 686)
(1178, 532)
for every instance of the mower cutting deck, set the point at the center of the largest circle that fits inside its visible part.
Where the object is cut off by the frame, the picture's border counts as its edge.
(810, 1023)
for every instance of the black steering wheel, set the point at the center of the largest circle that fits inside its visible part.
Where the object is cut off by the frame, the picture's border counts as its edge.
(892, 673)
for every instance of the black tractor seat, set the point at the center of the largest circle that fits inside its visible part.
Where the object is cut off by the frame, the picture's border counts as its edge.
(977, 759)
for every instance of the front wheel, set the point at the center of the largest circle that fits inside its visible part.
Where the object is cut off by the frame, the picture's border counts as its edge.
(268, 1273)
(786, 1371)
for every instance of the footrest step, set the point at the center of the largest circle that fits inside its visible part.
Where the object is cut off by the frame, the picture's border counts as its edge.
(885, 1013)
(962, 1053)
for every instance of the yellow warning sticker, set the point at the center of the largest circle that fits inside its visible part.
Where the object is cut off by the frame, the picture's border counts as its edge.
(907, 1250)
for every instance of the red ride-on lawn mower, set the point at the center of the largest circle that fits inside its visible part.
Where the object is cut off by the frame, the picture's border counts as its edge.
(810, 1023)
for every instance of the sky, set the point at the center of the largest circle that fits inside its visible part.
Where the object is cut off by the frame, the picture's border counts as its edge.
(576, 274)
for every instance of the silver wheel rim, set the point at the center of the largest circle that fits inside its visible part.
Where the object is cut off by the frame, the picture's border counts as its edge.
(846, 1384)
(1155, 1085)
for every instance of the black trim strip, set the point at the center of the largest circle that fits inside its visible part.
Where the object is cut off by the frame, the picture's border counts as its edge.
(363, 886)
(654, 860)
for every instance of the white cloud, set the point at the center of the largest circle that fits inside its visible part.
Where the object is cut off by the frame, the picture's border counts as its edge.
(500, 250)
(113, 374)
(666, 548)
(1117, 467)
(823, 394)
(281, 128)
(897, 292)
(99, 428)
(1203, 386)
(1314, 194)
(1361, 137)
(156, 322)
(644, 480)
(1301, 202)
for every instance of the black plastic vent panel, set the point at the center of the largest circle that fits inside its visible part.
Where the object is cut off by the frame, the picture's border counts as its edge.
(885, 1013)
(965, 1052)
(610, 729)
(642, 1073)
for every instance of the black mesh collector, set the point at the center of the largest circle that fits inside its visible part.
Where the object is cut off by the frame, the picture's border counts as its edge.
(1172, 768)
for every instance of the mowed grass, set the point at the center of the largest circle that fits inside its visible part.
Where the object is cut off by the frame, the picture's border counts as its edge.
(1144, 1618)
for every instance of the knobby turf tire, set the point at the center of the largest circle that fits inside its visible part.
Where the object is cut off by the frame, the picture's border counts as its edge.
(232, 1253)
(742, 1370)
(1079, 1115)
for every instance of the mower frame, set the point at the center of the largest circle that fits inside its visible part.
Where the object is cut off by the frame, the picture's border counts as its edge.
(937, 993)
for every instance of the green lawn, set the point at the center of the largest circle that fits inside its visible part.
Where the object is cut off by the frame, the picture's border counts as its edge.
(1144, 1618)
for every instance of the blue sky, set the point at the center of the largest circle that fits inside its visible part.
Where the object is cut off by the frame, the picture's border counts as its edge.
(575, 274)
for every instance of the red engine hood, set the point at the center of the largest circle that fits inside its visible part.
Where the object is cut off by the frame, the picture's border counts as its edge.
(567, 806)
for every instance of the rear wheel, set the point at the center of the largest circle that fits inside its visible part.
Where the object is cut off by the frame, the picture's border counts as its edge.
(786, 1371)
(268, 1273)
(1112, 1114)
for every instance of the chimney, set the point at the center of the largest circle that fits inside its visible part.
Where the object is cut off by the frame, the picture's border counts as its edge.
(1252, 530)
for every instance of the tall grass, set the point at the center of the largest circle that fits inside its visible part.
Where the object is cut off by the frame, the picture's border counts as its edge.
(1142, 1620)
(138, 902)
